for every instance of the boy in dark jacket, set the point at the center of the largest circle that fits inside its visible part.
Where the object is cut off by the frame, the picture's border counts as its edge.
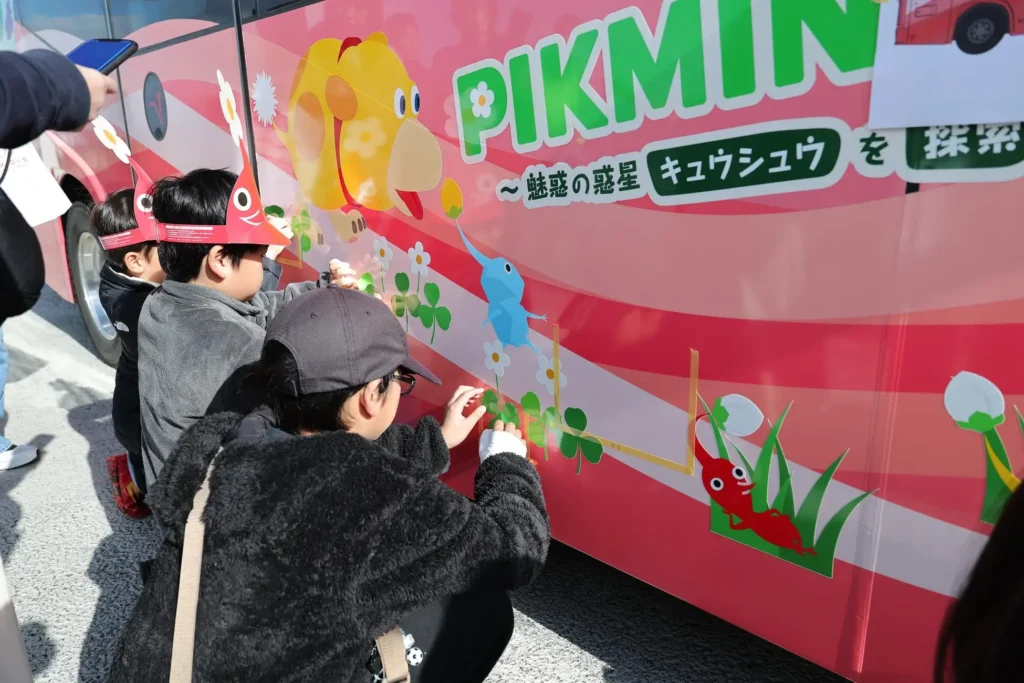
(327, 525)
(129, 275)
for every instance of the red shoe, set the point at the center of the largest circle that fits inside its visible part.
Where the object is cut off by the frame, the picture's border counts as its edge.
(126, 493)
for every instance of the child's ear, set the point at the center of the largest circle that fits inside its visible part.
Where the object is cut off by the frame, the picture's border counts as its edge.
(370, 398)
(133, 263)
(218, 262)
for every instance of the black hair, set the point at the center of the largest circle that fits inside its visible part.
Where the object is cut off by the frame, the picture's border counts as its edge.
(980, 638)
(199, 197)
(114, 216)
(276, 375)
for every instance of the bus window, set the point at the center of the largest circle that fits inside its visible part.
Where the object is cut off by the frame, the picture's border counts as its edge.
(128, 16)
(82, 19)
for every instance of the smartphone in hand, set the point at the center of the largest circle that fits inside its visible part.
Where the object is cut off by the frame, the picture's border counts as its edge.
(103, 54)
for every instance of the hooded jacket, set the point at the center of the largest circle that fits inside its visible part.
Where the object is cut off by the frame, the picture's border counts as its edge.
(194, 346)
(315, 545)
(122, 298)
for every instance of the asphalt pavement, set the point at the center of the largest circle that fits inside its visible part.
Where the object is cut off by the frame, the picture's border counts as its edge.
(71, 558)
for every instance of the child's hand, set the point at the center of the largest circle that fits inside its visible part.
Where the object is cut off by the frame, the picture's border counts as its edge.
(282, 226)
(504, 438)
(342, 275)
(456, 426)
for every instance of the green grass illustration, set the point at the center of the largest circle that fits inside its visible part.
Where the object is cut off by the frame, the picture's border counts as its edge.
(805, 518)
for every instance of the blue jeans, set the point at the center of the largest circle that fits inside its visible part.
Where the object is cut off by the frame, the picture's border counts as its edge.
(5, 443)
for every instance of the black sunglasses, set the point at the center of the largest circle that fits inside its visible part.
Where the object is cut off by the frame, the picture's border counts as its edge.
(408, 382)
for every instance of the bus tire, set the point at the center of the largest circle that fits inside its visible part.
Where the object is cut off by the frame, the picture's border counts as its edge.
(981, 28)
(85, 258)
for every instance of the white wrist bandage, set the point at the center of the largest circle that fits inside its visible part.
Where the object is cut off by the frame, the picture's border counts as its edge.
(492, 443)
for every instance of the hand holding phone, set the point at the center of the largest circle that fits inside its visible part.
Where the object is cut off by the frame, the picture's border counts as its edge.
(99, 87)
(103, 54)
(96, 60)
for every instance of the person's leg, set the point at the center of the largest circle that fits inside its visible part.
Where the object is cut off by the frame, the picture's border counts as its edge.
(5, 359)
(137, 470)
(476, 629)
(11, 456)
(457, 639)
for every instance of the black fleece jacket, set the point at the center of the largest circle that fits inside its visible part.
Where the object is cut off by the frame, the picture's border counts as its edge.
(317, 544)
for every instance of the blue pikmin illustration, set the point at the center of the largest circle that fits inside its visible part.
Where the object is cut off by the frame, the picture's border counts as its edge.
(503, 287)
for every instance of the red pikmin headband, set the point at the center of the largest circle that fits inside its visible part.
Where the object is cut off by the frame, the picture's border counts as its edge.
(246, 221)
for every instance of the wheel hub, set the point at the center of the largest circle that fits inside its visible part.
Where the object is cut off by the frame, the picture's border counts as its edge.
(981, 30)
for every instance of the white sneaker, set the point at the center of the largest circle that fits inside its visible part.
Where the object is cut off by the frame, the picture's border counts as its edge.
(16, 456)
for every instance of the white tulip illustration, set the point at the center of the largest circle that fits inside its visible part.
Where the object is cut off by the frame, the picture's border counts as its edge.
(737, 414)
(974, 402)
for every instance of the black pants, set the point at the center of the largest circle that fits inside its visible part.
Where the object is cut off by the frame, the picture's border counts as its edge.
(455, 640)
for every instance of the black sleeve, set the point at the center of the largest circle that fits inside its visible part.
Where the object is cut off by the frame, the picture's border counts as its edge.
(442, 543)
(39, 91)
(424, 446)
(271, 275)
(22, 273)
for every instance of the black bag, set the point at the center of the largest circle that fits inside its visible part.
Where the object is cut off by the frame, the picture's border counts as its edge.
(22, 272)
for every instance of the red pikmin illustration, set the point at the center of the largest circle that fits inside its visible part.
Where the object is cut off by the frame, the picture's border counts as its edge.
(727, 485)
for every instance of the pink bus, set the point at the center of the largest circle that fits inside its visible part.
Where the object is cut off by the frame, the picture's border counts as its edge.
(622, 217)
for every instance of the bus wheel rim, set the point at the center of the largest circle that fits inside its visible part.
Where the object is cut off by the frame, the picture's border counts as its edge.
(91, 258)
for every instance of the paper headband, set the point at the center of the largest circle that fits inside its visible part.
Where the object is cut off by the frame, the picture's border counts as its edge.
(148, 229)
(246, 221)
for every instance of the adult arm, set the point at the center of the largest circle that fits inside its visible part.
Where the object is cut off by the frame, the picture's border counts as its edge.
(40, 90)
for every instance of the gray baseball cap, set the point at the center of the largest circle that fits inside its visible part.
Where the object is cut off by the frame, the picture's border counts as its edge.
(342, 338)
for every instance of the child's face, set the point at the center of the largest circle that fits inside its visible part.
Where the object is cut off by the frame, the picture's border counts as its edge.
(144, 265)
(240, 282)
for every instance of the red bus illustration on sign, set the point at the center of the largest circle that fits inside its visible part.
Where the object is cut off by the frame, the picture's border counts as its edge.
(976, 26)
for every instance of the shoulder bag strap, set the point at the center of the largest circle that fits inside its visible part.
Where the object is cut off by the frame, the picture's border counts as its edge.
(391, 648)
(183, 646)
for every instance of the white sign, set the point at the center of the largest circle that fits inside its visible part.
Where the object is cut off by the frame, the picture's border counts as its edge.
(32, 188)
(947, 62)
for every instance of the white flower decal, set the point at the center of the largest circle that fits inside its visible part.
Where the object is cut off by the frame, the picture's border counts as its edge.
(482, 98)
(974, 402)
(264, 99)
(418, 260)
(546, 375)
(737, 414)
(227, 106)
(110, 139)
(495, 359)
(363, 137)
(383, 253)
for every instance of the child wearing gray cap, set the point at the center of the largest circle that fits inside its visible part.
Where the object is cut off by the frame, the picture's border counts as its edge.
(327, 526)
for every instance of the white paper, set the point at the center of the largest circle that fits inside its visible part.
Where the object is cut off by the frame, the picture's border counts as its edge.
(939, 84)
(32, 188)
